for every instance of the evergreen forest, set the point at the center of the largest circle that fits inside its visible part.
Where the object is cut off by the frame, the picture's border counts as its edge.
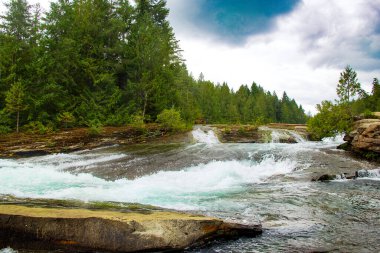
(112, 63)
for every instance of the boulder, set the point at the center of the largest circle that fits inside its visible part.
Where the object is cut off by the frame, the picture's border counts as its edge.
(104, 230)
(325, 177)
(364, 139)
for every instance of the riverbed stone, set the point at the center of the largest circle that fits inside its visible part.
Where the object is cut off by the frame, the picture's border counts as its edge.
(102, 230)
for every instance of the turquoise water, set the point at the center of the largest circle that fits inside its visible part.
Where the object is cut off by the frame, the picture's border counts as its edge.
(247, 183)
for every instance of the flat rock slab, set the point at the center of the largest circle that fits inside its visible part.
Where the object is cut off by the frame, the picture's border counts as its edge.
(112, 231)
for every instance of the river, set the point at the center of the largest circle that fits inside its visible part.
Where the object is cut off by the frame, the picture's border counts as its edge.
(247, 183)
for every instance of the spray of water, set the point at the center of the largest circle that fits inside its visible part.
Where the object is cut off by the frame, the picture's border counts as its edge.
(175, 189)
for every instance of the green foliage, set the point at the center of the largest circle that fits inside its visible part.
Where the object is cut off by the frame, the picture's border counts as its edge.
(95, 127)
(114, 63)
(15, 101)
(374, 100)
(5, 129)
(330, 120)
(15, 98)
(66, 118)
(171, 120)
(367, 114)
(36, 127)
(137, 121)
(348, 86)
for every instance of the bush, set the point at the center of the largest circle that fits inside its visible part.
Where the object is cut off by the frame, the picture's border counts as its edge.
(329, 121)
(137, 121)
(66, 118)
(171, 120)
(5, 129)
(95, 127)
(36, 127)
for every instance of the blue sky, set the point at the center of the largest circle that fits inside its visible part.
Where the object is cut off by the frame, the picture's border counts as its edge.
(234, 21)
(297, 46)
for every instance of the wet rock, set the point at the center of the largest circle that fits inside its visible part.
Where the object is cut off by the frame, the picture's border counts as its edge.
(325, 177)
(82, 229)
(367, 173)
(361, 173)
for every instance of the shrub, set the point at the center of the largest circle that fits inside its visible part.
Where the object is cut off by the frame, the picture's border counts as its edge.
(95, 127)
(5, 129)
(137, 121)
(330, 120)
(36, 127)
(171, 120)
(66, 118)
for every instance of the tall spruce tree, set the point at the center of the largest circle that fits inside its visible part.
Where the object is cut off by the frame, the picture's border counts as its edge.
(348, 86)
(15, 101)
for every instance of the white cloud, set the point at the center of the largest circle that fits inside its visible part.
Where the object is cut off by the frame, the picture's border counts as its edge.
(303, 55)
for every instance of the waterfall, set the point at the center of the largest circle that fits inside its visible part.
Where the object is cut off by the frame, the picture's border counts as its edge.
(283, 135)
(205, 135)
(297, 136)
(275, 135)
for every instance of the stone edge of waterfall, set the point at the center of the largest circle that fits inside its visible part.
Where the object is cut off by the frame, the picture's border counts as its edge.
(112, 231)
(260, 134)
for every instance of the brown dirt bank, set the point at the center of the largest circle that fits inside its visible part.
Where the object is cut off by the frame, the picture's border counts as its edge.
(24, 144)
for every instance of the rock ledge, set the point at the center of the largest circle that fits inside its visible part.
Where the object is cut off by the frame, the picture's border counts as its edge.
(111, 231)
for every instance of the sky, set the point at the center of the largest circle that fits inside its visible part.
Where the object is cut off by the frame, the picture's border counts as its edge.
(297, 46)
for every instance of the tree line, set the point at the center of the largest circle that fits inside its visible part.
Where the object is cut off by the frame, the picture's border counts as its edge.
(110, 62)
(337, 116)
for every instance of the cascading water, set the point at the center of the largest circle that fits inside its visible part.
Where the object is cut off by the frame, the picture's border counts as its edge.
(269, 182)
(297, 136)
(275, 136)
(283, 135)
(205, 135)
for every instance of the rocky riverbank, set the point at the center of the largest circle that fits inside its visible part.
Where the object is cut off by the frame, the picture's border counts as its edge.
(69, 140)
(26, 144)
(364, 139)
(109, 229)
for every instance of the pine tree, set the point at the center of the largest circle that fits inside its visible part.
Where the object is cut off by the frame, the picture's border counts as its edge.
(375, 95)
(348, 85)
(15, 101)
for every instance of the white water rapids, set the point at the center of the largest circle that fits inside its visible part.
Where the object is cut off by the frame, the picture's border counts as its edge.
(269, 182)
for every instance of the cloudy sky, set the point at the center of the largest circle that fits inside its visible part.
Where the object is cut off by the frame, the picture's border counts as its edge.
(297, 46)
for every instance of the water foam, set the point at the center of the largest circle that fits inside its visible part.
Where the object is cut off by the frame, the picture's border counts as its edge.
(336, 140)
(73, 160)
(8, 250)
(175, 189)
(369, 174)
